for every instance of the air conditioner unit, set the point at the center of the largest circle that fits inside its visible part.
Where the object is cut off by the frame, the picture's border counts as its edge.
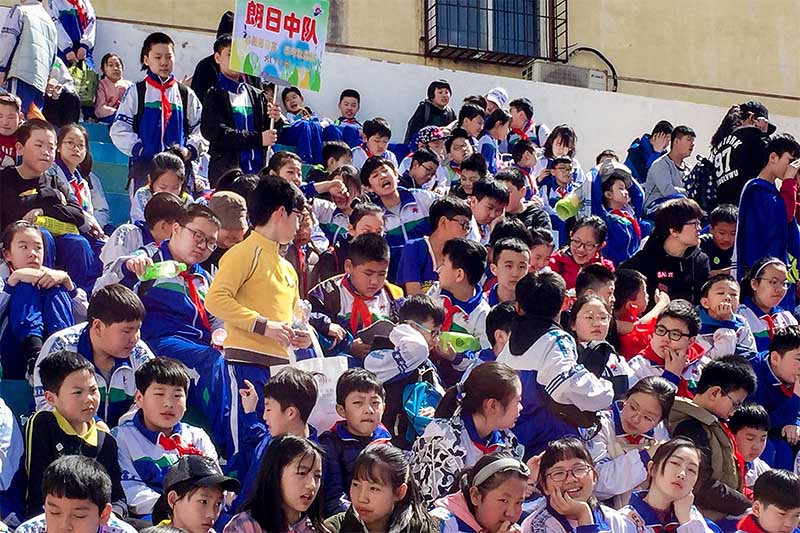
(561, 74)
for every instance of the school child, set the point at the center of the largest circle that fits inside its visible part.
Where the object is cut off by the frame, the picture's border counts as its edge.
(668, 503)
(194, 494)
(718, 242)
(487, 497)
(672, 351)
(155, 438)
(75, 23)
(27, 52)
(523, 126)
(555, 187)
(295, 104)
(776, 504)
(458, 147)
(777, 370)
(568, 479)
(159, 113)
(376, 141)
(510, 262)
(360, 401)
(525, 156)
(763, 290)
(590, 319)
(561, 142)
(111, 88)
(546, 358)
(258, 310)
(39, 300)
(167, 174)
(586, 240)
(496, 127)
(722, 330)
(109, 339)
(647, 148)
(529, 212)
(335, 154)
(624, 232)
(666, 176)
(450, 218)
(471, 119)
(474, 168)
(750, 425)
(635, 329)
(349, 105)
(405, 211)
(70, 428)
(723, 386)
(468, 425)
(289, 166)
(671, 259)
(630, 433)
(10, 120)
(488, 200)
(384, 496)
(177, 322)
(541, 249)
(231, 209)
(430, 138)
(334, 216)
(766, 225)
(287, 494)
(421, 172)
(434, 111)
(505, 228)
(78, 496)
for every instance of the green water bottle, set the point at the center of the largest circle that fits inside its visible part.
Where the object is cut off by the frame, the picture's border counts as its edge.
(163, 270)
(461, 342)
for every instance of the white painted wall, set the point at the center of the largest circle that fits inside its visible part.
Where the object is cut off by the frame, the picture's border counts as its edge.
(392, 90)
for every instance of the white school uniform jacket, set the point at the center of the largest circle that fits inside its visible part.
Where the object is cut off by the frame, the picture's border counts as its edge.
(543, 519)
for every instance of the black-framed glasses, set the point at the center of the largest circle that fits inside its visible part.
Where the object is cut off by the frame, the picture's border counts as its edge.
(735, 403)
(695, 223)
(201, 239)
(463, 224)
(673, 334)
(588, 246)
(775, 283)
(578, 472)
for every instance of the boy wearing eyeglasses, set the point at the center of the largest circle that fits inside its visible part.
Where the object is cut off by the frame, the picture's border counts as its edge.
(722, 330)
(672, 352)
(779, 392)
(720, 492)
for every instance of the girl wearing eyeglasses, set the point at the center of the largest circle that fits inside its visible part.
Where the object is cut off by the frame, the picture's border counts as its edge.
(763, 289)
(567, 478)
(668, 504)
(587, 238)
(629, 435)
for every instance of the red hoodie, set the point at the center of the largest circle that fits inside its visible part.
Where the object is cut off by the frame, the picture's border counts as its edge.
(563, 263)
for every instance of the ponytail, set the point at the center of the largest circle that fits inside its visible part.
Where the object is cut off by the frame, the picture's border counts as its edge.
(486, 381)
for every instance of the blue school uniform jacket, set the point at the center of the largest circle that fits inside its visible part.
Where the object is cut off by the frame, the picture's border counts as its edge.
(776, 397)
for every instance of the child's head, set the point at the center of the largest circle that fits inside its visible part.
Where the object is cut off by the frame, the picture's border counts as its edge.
(194, 235)
(450, 217)
(382, 488)
(510, 262)
(379, 176)
(471, 118)
(424, 314)
(630, 292)
(515, 182)
(161, 388)
(377, 134)
(336, 154)
(347, 174)
(473, 168)
(766, 283)
(222, 56)
(724, 385)
(167, 173)
(366, 218)
(561, 170)
(23, 245)
(491, 391)
(432, 138)
(776, 501)
(112, 67)
(288, 484)
(781, 150)
(368, 263)
(424, 164)
(194, 492)
(292, 99)
(161, 212)
(561, 142)
(524, 153)
(498, 325)
(679, 220)
(488, 200)
(77, 495)
(439, 93)
(590, 318)
(463, 264)
(10, 115)
(566, 467)
(494, 489)
(646, 404)
(598, 280)
(608, 155)
(286, 165)
(509, 228)
(521, 112)
(784, 354)
(237, 181)
(615, 187)
(70, 386)
(289, 398)
(722, 221)
(541, 248)
(277, 203)
(541, 294)
(720, 296)
(158, 54)
(231, 210)
(114, 317)
(587, 238)
(497, 124)
(674, 469)
(360, 401)
(349, 103)
(750, 425)
(72, 144)
(676, 328)
(36, 144)
(458, 145)
(682, 141)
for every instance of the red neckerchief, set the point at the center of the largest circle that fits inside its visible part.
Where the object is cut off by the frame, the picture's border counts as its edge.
(522, 132)
(449, 312)
(629, 218)
(301, 264)
(194, 296)
(748, 524)
(82, 17)
(76, 188)
(455, 167)
(738, 457)
(562, 191)
(366, 150)
(360, 311)
(166, 106)
(683, 386)
(634, 439)
(174, 443)
(770, 325)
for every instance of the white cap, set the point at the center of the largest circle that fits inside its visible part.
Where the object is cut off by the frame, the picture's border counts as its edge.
(499, 96)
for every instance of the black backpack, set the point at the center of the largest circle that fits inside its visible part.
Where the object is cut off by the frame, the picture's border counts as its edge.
(701, 184)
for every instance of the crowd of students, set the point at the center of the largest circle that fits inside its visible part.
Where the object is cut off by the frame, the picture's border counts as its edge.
(517, 344)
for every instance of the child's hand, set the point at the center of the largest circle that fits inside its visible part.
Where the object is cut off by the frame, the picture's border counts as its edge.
(725, 310)
(269, 137)
(53, 278)
(791, 170)
(448, 354)
(279, 332)
(533, 464)
(542, 175)
(25, 275)
(568, 507)
(337, 188)
(792, 434)
(31, 215)
(660, 141)
(249, 397)
(71, 57)
(138, 264)
(661, 297)
(273, 111)
(359, 348)
(509, 527)
(675, 362)
(683, 508)
(427, 411)
(81, 55)
(337, 333)
(301, 339)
